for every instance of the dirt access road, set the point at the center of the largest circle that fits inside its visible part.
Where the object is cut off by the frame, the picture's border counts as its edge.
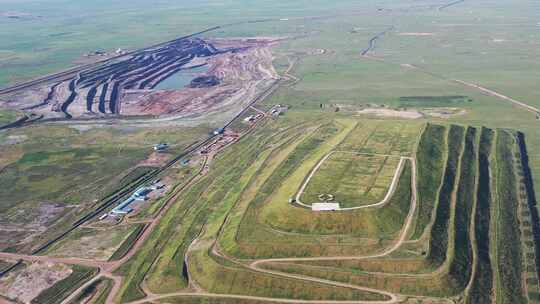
(394, 298)
(256, 266)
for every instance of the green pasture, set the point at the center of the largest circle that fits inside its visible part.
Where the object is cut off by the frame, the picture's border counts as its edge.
(352, 179)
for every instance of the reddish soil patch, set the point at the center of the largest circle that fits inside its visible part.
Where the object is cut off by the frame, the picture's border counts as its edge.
(156, 159)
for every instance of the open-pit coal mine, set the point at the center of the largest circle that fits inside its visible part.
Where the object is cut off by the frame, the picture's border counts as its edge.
(130, 81)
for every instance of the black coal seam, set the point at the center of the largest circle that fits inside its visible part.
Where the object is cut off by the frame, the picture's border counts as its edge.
(70, 99)
(114, 97)
(101, 106)
(90, 98)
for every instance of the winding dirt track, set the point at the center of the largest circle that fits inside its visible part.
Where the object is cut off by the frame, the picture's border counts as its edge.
(229, 296)
(256, 266)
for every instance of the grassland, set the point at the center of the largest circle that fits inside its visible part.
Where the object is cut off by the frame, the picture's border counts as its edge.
(169, 241)
(239, 212)
(352, 179)
(451, 265)
(431, 155)
(440, 231)
(509, 256)
(263, 164)
(381, 137)
(96, 243)
(466, 239)
(128, 243)
(57, 173)
(272, 217)
(481, 290)
(8, 116)
(460, 268)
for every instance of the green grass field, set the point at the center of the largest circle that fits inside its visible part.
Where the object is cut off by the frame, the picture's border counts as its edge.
(352, 179)
(71, 170)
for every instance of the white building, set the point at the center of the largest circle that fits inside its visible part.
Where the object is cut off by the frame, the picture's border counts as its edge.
(325, 207)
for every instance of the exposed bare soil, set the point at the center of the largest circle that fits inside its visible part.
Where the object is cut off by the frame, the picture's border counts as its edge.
(25, 284)
(382, 112)
(156, 159)
(13, 140)
(96, 244)
(443, 112)
(22, 223)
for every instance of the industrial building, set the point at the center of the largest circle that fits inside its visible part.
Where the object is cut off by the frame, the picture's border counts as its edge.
(124, 207)
(219, 131)
(161, 147)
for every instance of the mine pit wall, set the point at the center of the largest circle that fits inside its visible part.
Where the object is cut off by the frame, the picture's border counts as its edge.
(77, 96)
(531, 216)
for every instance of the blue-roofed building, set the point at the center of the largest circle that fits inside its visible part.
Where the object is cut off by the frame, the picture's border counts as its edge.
(138, 195)
(141, 193)
(123, 208)
(219, 131)
(161, 147)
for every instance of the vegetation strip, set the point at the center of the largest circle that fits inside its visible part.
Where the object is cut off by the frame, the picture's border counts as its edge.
(128, 243)
(440, 229)
(462, 259)
(481, 289)
(63, 289)
(509, 253)
(431, 155)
